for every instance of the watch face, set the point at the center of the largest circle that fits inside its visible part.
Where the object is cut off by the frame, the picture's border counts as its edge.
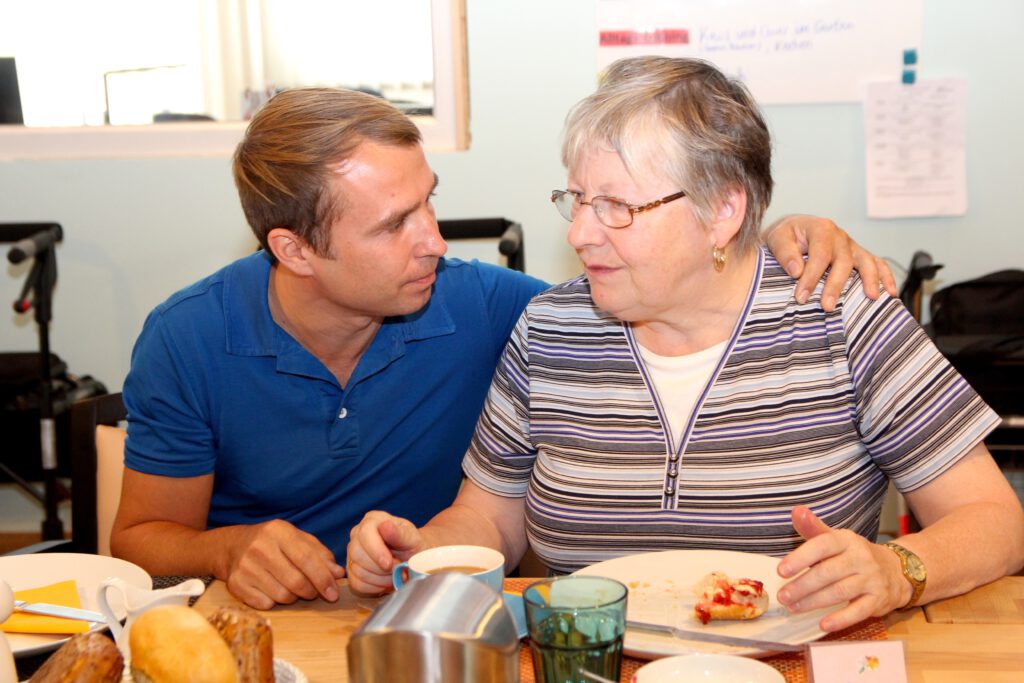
(915, 568)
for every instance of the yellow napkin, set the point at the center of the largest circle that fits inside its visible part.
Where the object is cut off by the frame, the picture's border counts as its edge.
(64, 593)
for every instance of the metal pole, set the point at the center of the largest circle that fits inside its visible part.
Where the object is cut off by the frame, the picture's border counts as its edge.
(53, 527)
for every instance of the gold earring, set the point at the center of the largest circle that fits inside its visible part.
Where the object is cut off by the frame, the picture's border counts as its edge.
(718, 258)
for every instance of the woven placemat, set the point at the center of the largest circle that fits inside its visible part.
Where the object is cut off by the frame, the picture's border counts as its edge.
(790, 664)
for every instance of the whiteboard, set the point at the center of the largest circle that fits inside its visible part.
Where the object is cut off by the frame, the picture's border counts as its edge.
(785, 51)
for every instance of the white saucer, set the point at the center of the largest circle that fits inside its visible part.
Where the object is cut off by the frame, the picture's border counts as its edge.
(704, 667)
(514, 603)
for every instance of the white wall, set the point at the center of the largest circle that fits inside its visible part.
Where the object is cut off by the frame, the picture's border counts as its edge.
(138, 230)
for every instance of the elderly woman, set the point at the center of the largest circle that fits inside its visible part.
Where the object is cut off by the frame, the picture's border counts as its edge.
(677, 395)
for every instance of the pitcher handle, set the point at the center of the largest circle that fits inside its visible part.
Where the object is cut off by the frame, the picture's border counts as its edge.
(108, 614)
(192, 588)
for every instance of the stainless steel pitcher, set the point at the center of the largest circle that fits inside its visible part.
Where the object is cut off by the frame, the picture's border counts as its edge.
(443, 628)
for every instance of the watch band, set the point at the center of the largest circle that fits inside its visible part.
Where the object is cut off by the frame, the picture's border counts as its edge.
(913, 571)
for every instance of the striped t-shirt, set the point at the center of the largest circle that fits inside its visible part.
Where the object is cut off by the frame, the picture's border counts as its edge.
(804, 408)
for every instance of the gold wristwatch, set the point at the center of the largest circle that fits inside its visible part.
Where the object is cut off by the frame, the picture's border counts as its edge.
(913, 571)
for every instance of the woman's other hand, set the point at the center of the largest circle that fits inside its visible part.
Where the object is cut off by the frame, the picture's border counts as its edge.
(376, 545)
(826, 246)
(842, 566)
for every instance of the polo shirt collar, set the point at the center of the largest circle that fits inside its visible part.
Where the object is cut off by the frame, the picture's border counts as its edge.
(250, 329)
(248, 326)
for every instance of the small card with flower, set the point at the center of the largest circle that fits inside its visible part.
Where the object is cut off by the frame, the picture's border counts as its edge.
(857, 661)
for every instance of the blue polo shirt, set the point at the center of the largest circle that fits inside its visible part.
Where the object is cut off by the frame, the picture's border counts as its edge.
(216, 386)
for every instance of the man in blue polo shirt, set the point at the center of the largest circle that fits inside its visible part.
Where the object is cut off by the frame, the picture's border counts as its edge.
(341, 369)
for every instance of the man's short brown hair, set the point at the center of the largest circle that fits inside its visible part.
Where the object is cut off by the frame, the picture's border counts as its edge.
(282, 164)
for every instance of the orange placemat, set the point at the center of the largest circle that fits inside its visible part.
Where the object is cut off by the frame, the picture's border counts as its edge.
(790, 664)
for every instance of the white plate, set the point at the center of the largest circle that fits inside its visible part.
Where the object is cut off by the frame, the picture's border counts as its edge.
(88, 571)
(717, 668)
(661, 591)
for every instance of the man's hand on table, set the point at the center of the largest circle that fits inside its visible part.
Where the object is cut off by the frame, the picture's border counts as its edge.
(375, 546)
(826, 246)
(277, 563)
(842, 566)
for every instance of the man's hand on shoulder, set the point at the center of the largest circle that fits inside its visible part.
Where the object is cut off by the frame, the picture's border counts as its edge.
(826, 246)
(277, 563)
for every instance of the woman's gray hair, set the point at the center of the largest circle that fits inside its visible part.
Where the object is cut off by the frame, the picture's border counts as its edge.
(684, 119)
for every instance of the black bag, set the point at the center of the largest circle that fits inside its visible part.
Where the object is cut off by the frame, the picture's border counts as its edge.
(979, 326)
(20, 397)
(990, 305)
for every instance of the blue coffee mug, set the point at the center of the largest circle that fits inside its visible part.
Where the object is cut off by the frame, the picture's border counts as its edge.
(483, 564)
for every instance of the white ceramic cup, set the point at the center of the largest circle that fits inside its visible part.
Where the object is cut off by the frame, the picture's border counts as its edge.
(490, 564)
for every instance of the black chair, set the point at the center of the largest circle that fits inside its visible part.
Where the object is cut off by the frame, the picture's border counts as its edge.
(921, 270)
(978, 325)
(90, 510)
(508, 233)
(87, 468)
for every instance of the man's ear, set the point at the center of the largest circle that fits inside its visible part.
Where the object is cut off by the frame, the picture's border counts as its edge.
(729, 215)
(290, 250)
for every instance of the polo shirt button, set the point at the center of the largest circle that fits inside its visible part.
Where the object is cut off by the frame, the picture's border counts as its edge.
(669, 490)
(343, 414)
(673, 473)
(674, 457)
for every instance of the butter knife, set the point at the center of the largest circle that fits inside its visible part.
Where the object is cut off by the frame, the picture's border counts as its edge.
(57, 611)
(718, 638)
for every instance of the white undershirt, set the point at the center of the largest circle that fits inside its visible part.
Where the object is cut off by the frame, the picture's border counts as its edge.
(679, 381)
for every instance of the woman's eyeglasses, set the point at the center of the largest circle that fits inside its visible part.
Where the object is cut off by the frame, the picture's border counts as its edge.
(612, 212)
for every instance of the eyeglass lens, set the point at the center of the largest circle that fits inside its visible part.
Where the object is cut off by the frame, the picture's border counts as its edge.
(611, 212)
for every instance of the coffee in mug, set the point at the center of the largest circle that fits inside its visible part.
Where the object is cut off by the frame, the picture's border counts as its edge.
(458, 570)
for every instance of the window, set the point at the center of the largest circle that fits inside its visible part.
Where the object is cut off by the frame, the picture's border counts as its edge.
(103, 71)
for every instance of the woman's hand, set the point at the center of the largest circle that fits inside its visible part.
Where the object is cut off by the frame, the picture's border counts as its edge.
(376, 545)
(827, 246)
(842, 566)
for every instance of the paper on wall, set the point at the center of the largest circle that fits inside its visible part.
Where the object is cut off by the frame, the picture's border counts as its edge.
(916, 156)
(785, 51)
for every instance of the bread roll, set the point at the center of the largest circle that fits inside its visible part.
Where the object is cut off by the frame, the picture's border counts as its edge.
(86, 658)
(173, 644)
(250, 640)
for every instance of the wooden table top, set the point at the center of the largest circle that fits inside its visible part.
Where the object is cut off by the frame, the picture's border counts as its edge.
(975, 637)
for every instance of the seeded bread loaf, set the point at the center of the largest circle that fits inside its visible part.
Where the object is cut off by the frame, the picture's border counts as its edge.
(250, 640)
(85, 658)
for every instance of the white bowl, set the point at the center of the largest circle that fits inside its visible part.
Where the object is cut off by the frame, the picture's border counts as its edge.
(700, 667)
(284, 672)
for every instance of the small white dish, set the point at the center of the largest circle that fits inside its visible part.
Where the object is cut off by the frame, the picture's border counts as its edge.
(707, 667)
